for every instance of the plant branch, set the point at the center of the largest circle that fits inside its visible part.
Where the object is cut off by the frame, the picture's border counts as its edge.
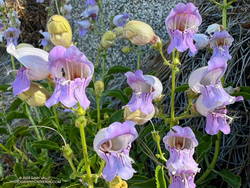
(214, 160)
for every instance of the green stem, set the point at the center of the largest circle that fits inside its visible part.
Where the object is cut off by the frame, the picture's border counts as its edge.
(57, 8)
(98, 109)
(214, 160)
(13, 62)
(174, 70)
(161, 155)
(84, 148)
(138, 65)
(224, 14)
(72, 165)
(33, 123)
(166, 62)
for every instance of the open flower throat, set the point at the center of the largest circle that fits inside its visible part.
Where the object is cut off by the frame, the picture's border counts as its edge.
(179, 142)
(117, 144)
(72, 70)
(183, 21)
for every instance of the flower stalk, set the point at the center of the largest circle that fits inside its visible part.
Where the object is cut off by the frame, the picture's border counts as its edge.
(175, 62)
(214, 160)
(81, 123)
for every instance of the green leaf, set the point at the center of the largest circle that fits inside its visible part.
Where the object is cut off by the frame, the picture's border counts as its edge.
(21, 131)
(46, 170)
(128, 92)
(245, 95)
(118, 69)
(233, 180)
(204, 147)
(244, 91)
(182, 88)
(15, 104)
(117, 94)
(107, 78)
(117, 116)
(4, 88)
(46, 144)
(15, 115)
(3, 131)
(18, 169)
(159, 177)
(145, 183)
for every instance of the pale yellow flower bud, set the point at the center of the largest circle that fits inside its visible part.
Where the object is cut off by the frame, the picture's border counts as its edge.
(99, 87)
(108, 39)
(117, 182)
(137, 116)
(60, 31)
(35, 96)
(139, 33)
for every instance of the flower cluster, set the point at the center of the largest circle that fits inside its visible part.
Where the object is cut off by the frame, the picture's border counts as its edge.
(180, 142)
(207, 81)
(89, 14)
(10, 28)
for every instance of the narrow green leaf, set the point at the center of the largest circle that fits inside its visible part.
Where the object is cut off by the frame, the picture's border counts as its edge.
(21, 131)
(233, 180)
(118, 69)
(4, 88)
(143, 184)
(245, 95)
(182, 88)
(46, 144)
(15, 115)
(117, 94)
(3, 131)
(15, 104)
(159, 177)
(18, 169)
(116, 116)
(205, 145)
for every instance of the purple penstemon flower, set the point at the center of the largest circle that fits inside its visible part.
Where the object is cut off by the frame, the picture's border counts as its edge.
(213, 99)
(180, 142)
(35, 62)
(182, 23)
(72, 72)
(91, 11)
(67, 9)
(121, 19)
(220, 43)
(46, 38)
(145, 89)
(40, 1)
(90, 2)
(113, 144)
(11, 35)
(84, 27)
(212, 104)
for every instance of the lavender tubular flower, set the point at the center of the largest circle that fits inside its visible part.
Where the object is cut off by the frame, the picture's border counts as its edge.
(182, 23)
(220, 43)
(113, 144)
(72, 72)
(35, 63)
(145, 89)
(11, 35)
(84, 27)
(121, 19)
(180, 142)
(90, 2)
(214, 109)
(213, 99)
(46, 38)
(91, 11)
